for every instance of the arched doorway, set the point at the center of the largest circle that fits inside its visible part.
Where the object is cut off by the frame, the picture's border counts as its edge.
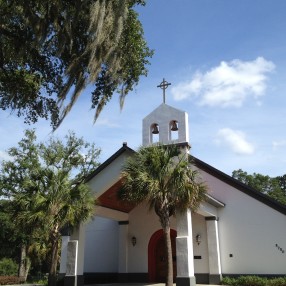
(157, 261)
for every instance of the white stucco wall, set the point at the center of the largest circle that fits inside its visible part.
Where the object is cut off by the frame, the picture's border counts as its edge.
(249, 231)
(101, 251)
(109, 175)
(199, 227)
(142, 224)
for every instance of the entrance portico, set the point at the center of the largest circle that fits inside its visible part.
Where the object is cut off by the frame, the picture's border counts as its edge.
(133, 261)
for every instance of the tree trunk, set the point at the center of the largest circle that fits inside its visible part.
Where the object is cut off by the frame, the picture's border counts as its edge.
(167, 236)
(24, 265)
(52, 279)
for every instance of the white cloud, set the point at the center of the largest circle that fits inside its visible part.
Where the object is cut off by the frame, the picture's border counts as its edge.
(235, 140)
(227, 84)
(278, 144)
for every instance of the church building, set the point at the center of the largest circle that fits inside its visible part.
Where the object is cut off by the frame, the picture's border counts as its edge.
(235, 231)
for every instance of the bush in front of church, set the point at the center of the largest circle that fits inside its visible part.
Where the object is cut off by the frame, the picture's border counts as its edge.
(254, 281)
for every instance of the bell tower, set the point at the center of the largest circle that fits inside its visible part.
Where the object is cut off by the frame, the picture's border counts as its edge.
(165, 124)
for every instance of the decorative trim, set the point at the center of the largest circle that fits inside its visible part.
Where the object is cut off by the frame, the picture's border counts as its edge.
(80, 280)
(133, 277)
(207, 218)
(216, 203)
(202, 278)
(215, 279)
(124, 222)
(186, 281)
(70, 281)
(180, 144)
(74, 280)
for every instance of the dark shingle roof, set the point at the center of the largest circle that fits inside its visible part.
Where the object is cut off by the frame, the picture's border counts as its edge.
(210, 170)
(240, 186)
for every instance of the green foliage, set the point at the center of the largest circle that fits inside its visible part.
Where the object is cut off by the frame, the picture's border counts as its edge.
(254, 281)
(8, 267)
(280, 281)
(273, 187)
(162, 175)
(46, 185)
(10, 236)
(51, 50)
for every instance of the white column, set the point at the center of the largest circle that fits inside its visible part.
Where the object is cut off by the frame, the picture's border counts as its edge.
(184, 248)
(123, 251)
(214, 252)
(63, 263)
(71, 266)
(79, 235)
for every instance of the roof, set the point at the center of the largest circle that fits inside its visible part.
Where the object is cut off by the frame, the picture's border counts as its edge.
(123, 149)
(239, 186)
(210, 170)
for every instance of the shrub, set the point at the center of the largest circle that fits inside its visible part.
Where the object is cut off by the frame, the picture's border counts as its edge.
(253, 281)
(8, 267)
(10, 280)
(229, 281)
(281, 281)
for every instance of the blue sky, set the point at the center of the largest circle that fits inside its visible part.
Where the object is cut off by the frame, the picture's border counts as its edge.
(226, 61)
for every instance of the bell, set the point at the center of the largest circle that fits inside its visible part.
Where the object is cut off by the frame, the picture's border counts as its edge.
(155, 129)
(174, 126)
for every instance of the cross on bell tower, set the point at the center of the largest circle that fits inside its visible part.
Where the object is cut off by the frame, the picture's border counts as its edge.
(164, 85)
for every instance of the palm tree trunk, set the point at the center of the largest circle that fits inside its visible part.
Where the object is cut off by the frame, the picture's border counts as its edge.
(21, 270)
(24, 265)
(52, 279)
(167, 236)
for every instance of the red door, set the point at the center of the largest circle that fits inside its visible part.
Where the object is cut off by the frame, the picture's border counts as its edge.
(157, 259)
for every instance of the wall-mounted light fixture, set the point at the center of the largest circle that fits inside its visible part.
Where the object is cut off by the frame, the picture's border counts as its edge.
(198, 239)
(133, 240)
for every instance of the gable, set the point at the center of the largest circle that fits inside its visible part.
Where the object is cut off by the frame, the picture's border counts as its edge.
(105, 180)
(109, 172)
(239, 186)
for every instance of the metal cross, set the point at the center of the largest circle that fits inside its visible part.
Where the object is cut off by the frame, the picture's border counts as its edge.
(164, 85)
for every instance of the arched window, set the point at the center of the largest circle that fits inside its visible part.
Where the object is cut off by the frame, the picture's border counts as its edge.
(173, 130)
(154, 133)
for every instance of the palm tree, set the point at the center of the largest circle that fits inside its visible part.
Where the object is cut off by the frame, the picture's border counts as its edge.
(53, 209)
(49, 193)
(162, 176)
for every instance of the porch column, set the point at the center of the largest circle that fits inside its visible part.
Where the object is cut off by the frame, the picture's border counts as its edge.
(214, 252)
(78, 236)
(71, 266)
(63, 263)
(123, 251)
(184, 248)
